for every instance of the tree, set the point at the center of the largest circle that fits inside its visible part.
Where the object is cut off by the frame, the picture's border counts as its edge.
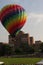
(6, 49)
(1, 49)
(27, 49)
(18, 51)
(30, 50)
(41, 47)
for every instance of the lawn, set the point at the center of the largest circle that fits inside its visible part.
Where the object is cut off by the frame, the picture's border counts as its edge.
(10, 61)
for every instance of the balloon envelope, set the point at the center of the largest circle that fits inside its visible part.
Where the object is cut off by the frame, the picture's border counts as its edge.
(13, 18)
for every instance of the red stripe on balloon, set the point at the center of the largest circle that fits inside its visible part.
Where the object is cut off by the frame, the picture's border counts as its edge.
(14, 27)
(8, 9)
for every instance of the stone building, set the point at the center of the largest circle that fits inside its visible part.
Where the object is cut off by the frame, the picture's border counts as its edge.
(37, 45)
(31, 40)
(19, 39)
(38, 42)
(25, 38)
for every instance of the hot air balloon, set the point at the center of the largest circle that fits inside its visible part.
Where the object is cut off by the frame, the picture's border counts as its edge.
(13, 18)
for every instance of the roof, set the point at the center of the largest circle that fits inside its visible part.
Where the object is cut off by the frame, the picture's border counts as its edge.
(40, 62)
(1, 62)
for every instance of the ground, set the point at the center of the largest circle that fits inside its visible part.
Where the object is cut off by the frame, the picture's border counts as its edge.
(10, 61)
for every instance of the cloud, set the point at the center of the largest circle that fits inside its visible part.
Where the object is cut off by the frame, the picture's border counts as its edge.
(35, 18)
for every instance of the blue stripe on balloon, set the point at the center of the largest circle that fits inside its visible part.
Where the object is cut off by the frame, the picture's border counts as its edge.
(9, 15)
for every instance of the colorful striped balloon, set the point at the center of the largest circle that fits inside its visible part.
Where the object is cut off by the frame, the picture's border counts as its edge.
(13, 18)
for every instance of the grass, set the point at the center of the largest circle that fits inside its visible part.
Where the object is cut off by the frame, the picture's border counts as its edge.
(10, 61)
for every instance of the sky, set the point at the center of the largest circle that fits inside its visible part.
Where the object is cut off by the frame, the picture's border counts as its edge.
(34, 23)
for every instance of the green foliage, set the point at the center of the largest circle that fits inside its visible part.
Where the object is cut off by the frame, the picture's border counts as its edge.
(1, 49)
(41, 47)
(18, 51)
(31, 50)
(27, 49)
(5, 49)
